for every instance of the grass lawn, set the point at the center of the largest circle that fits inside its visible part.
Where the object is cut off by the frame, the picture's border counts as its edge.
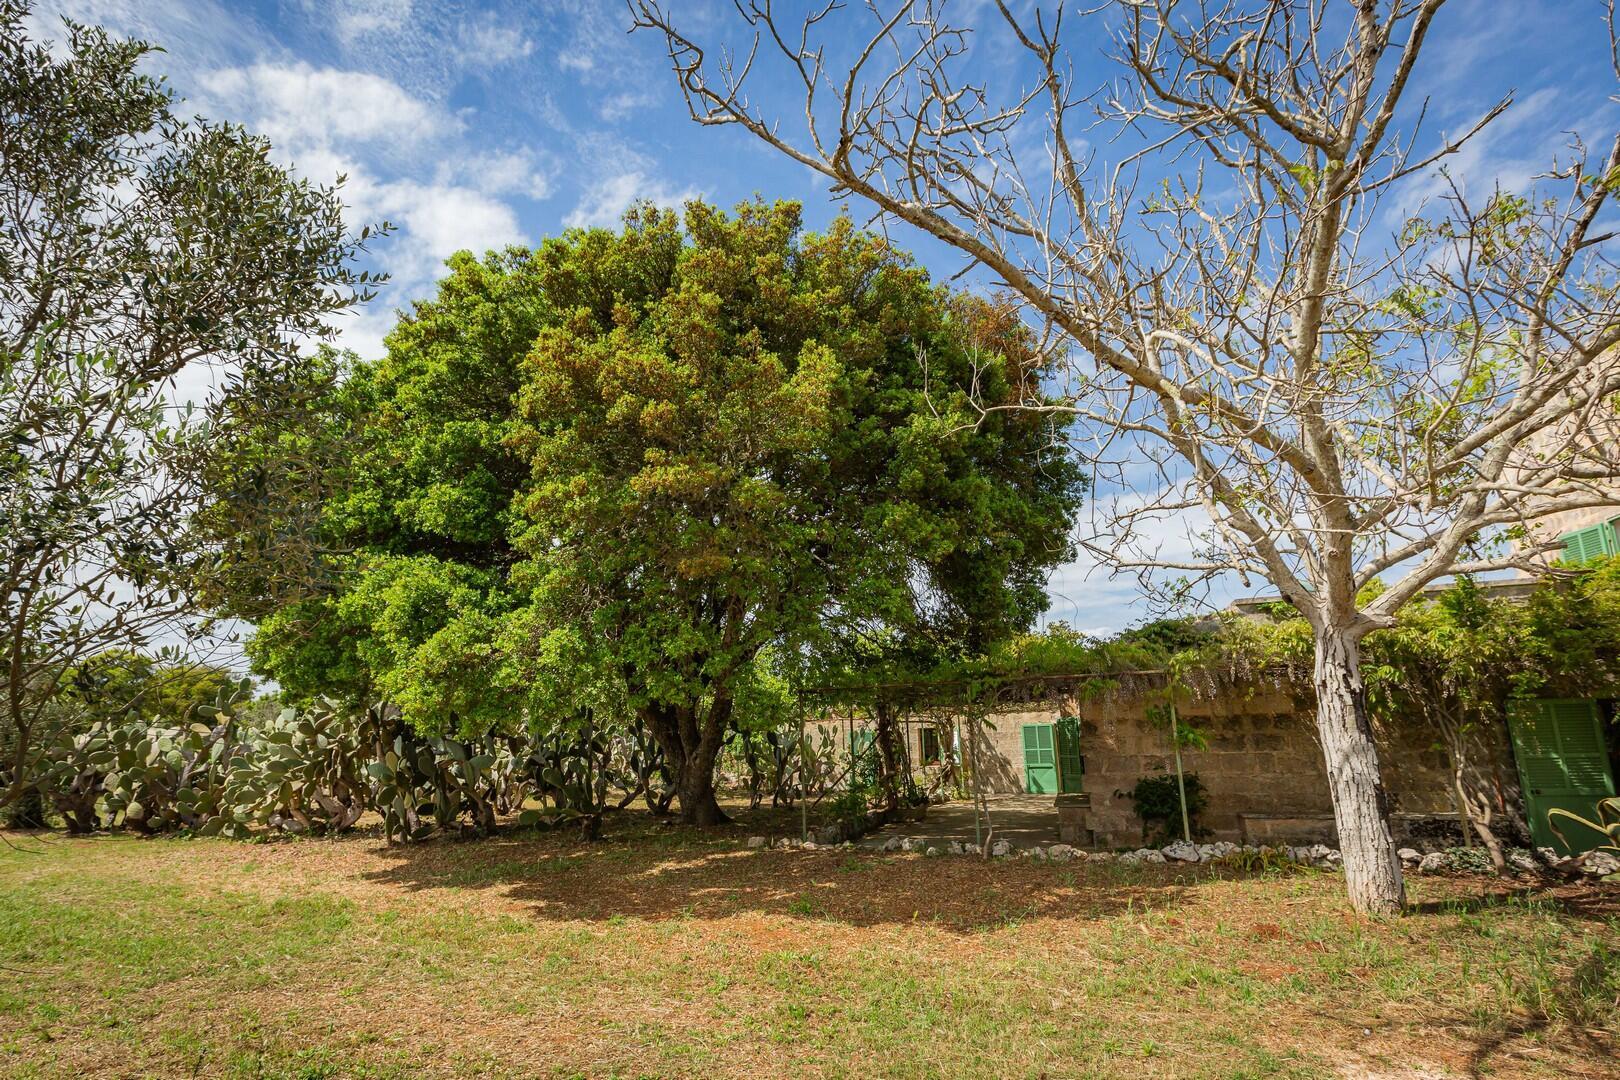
(663, 952)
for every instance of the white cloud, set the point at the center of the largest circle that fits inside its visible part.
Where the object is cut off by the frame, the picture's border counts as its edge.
(503, 172)
(616, 107)
(298, 105)
(197, 34)
(407, 161)
(355, 19)
(442, 219)
(488, 41)
(606, 201)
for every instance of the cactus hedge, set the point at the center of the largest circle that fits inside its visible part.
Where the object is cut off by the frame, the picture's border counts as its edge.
(230, 770)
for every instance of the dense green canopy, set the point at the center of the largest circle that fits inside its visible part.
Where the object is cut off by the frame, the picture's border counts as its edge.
(618, 467)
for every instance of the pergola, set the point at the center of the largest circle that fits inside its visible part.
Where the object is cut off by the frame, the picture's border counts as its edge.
(923, 698)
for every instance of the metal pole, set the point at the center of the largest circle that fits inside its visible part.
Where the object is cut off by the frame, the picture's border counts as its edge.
(1181, 783)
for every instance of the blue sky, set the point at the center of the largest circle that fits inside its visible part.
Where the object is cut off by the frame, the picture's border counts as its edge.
(475, 125)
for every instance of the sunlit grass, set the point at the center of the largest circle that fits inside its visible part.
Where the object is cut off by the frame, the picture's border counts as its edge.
(671, 954)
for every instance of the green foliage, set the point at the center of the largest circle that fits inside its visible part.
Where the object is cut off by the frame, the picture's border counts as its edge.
(653, 475)
(237, 771)
(150, 776)
(137, 245)
(1158, 804)
(1607, 824)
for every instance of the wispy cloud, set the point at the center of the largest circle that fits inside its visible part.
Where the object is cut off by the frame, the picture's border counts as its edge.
(607, 200)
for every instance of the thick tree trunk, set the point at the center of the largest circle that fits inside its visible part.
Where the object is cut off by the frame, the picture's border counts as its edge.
(888, 757)
(696, 794)
(1372, 870)
(691, 745)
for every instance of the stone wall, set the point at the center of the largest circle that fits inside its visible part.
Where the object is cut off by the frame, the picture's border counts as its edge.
(1262, 768)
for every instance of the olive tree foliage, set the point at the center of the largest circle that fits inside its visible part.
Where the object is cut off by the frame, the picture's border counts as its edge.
(136, 248)
(1339, 402)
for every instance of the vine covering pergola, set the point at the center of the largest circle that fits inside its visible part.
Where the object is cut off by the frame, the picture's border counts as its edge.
(974, 692)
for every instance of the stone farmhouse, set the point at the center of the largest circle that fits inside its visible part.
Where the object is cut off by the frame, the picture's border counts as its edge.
(1261, 768)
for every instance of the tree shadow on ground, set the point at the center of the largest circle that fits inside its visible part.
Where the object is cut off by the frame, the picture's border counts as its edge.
(684, 873)
(1564, 1015)
(1577, 899)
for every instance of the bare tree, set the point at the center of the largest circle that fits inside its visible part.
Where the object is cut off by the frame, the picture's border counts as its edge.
(1315, 339)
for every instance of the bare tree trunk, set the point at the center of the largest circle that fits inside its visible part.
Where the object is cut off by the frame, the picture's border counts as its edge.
(1372, 870)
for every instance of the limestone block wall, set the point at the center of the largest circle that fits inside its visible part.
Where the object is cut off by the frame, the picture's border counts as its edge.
(1262, 767)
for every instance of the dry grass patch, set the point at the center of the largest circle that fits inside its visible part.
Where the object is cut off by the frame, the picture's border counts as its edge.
(663, 952)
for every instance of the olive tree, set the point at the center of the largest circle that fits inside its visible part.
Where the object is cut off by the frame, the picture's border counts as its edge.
(1348, 380)
(137, 249)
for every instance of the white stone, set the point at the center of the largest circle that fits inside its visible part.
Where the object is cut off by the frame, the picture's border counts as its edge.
(1149, 855)
(1600, 864)
(1432, 863)
(756, 841)
(1182, 851)
(1100, 856)
(1410, 856)
(809, 845)
(1522, 862)
(1061, 852)
(931, 852)
(1001, 848)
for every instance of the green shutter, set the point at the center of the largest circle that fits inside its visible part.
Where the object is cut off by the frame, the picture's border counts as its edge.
(1590, 544)
(1563, 762)
(1040, 760)
(1071, 766)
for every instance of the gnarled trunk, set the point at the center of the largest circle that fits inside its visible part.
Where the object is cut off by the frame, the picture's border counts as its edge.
(886, 738)
(1372, 870)
(690, 739)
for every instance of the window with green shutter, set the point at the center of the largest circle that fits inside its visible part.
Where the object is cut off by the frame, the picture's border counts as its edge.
(928, 745)
(1587, 545)
(1071, 765)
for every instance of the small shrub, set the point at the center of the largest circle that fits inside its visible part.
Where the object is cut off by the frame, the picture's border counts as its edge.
(1158, 804)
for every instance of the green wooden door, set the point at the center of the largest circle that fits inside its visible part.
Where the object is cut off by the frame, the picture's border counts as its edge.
(1071, 766)
(1563, 762)
(1040, 760)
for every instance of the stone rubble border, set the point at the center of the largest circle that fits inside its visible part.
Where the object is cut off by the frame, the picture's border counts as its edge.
(1596, 864)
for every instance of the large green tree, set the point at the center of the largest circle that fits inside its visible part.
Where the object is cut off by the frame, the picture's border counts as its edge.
(750, 436)
(620, 465)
